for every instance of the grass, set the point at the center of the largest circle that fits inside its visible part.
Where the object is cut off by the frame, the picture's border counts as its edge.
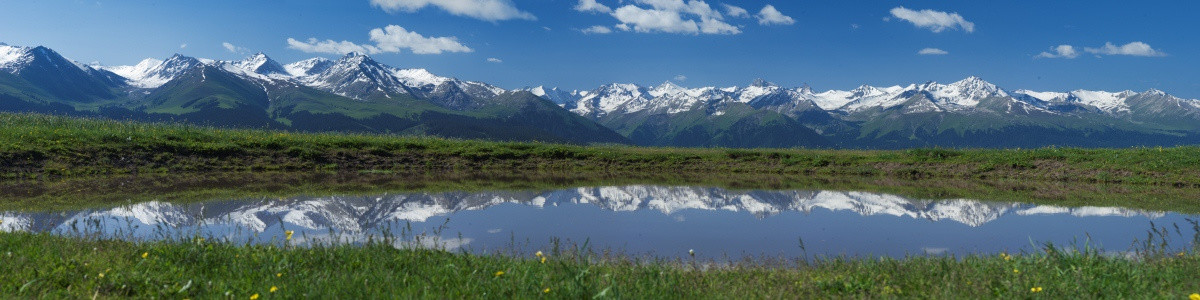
(40, 146)
(41, 265)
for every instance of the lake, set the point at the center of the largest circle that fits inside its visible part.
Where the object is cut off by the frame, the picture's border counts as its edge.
(637, 220)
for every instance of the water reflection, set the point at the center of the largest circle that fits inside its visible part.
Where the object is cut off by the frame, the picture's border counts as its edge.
(658, 220)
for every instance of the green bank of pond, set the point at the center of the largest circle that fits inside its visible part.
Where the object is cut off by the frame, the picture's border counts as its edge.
(41, 265)
(39, 146)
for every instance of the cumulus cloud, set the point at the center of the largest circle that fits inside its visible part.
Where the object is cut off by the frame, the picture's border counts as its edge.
(394, 38)
(1132, 49)
(487, 10)
(936, 21)
(1060, 51)
(771, 16)
(736, 12)
(231, 48)
(680, 78)
(672, 16)
(598, 29)
(932, 51)
(494, 60)
(592, 6)
(390, 39)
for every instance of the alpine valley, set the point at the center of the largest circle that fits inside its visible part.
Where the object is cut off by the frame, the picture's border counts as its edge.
(357, 94)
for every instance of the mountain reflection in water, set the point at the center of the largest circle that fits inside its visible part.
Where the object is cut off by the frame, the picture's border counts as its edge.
(639, 219)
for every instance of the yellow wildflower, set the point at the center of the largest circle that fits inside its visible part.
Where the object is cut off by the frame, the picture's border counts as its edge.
(1194, 296)
(254, 297)
(101, 275)
(274, 288)
(288, 234)
(1015, 271)
(538, 254)
(278, 274)
(547, 291)
(1035, 289)
(543, 260)
(145, 255)
(499, 273)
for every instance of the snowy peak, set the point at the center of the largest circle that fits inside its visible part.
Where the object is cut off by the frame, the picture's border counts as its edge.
(759, 82)
(610, 98)
(667, 88)
(359, 77)
(153, 73)
(12, 57)
(1106, 101)
(308, 67)
(15, 59)
(420, 77)
(261, 64)
(963, 93)
(560, 97)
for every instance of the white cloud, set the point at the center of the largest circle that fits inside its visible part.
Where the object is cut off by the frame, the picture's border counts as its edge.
(598, 29)
(937, 21)
(487, 10)
(391, 39)
(1132, 49)
(234, 49)
(494, 60)
(672, 16)
(1060, 51)
(771, 16)
(592, 6)
(183, 46)
(736, 12)
(330, 46)
(680, 78)
(932, 51)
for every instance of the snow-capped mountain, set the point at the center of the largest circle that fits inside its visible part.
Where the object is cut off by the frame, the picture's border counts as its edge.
(57, 75)
(968, 113)
(308, 67)
(152, 73)
(355, 76)
(560, 97)
(963, 95)
(259, 63)
(353, 215)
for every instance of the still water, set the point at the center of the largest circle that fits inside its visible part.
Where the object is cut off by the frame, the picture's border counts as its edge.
(660, 221)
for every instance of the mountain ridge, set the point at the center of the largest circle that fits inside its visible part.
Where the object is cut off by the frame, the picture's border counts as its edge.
(357, 93)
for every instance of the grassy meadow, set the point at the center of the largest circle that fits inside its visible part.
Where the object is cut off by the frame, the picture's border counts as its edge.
(40, 146)
(40, 265)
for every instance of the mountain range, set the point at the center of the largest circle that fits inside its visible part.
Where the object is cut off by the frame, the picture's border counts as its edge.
(355, 93)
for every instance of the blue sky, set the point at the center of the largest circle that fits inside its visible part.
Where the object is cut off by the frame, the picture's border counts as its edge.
(826, 44)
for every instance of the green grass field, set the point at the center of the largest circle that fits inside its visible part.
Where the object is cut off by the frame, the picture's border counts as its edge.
(39, 146)
(38, 265)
